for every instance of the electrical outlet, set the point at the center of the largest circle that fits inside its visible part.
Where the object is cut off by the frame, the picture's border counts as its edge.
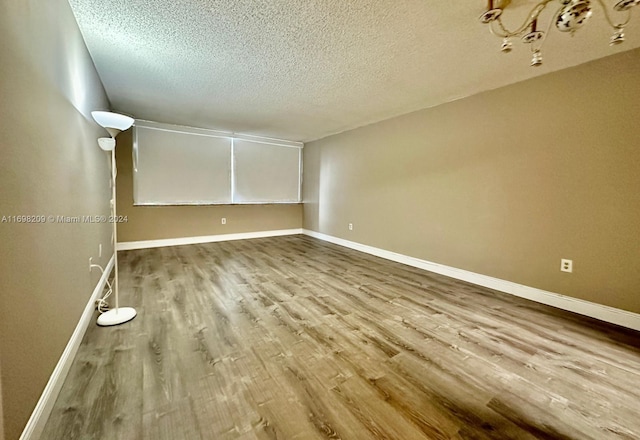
(224, 221)
(351, 226)
(100, 250)
(566, 265)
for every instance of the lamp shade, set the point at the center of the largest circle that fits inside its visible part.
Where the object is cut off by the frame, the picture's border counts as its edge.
(112, 120)
(107, 144)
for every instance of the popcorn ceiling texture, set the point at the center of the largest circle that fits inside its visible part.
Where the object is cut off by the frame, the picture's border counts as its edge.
(304, 69)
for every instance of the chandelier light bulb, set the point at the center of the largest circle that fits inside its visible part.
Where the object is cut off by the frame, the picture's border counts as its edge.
(507, 45)
(617, 37)
(536, 60)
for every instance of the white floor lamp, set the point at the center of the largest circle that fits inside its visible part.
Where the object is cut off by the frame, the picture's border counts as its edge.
(114, 124)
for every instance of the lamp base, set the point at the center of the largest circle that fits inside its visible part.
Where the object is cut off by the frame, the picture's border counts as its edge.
(116, 316)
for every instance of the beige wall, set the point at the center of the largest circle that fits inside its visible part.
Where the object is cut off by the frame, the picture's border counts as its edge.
(163, 222)
(50, 165)
(504, 183)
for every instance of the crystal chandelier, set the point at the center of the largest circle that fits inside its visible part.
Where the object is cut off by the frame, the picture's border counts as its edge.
(570, 16)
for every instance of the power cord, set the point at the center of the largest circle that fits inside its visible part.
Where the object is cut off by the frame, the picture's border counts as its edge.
(101, 304)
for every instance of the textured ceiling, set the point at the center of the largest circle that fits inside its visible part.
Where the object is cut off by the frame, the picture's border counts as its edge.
(304, 69)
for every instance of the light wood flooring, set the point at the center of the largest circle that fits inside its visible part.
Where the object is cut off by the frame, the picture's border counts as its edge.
(294, 338)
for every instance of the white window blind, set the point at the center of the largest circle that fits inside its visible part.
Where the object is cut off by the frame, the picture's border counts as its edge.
(265, 173)
(176, 168)
(185, 166)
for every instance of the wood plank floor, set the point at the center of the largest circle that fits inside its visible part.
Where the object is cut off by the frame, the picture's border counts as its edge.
(294, 338)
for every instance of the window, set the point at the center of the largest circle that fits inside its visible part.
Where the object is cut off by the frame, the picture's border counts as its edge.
(188, 166)
(266, 173)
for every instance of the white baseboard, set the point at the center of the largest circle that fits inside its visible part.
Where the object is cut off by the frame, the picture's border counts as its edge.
(582, 307)
(130, 245)
(40, 415)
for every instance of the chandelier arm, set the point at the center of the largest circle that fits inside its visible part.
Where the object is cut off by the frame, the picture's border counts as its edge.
(546, 34)
(498, 32)
(608, 17)
(533, 15)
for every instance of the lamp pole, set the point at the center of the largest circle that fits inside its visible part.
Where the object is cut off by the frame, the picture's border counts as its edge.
(114, 220)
